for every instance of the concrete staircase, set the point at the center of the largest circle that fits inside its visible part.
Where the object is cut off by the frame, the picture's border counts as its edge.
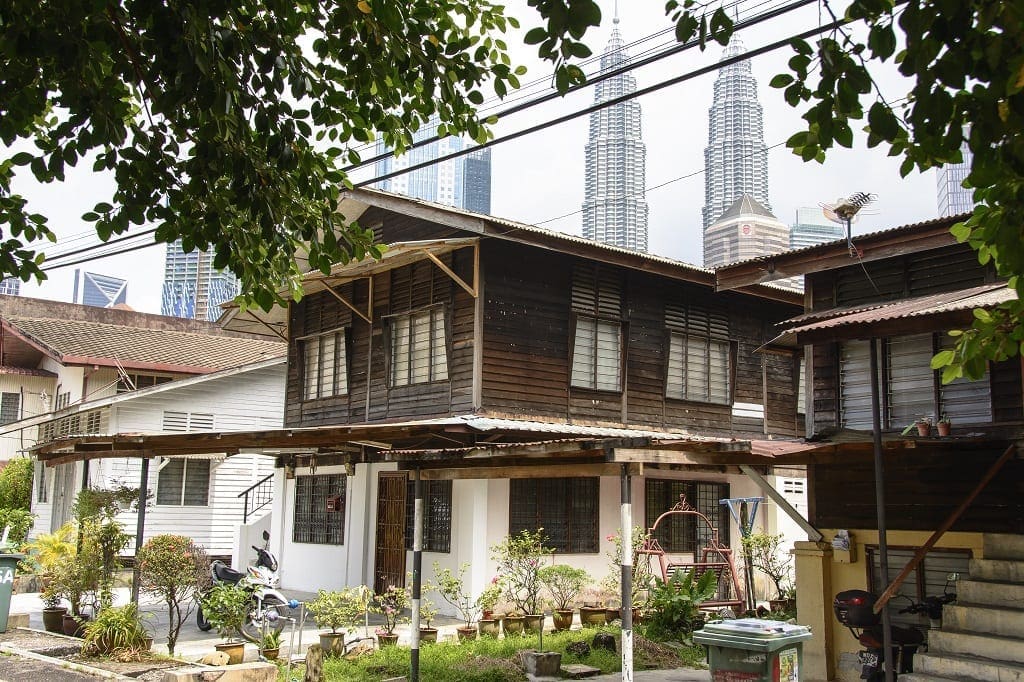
(982, 636)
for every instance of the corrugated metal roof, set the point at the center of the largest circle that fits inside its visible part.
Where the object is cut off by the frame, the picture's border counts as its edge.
(984, 296)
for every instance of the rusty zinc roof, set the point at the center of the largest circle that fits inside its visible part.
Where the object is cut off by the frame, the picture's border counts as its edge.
(85, 342)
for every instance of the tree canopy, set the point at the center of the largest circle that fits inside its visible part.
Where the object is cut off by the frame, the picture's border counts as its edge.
(226, 124)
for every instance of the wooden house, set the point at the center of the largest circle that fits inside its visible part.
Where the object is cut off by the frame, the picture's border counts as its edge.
(901, 291)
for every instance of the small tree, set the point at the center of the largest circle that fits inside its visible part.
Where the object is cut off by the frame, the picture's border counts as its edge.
(171, 568)
(563, 584)
(390, 604)
(16, 484)
(340, 609)
(642, 575)
(452, 588)
(225, 607)
(764, 553)
(519, 558)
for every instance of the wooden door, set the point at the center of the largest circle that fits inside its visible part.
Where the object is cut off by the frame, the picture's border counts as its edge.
(389, 558)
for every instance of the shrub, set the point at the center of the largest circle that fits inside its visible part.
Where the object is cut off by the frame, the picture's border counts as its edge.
(19, 521)
(49, 549)
(390, 604)
(225, 607)
(172, 568)
(340, 609)
(519, 557)
(763, 550)
(451, 587)
(675, 604)
(116, 629)
(563, 584)
(642, 575)
(16, 484)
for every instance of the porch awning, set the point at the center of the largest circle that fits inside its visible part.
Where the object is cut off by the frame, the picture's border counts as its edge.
(945, 310)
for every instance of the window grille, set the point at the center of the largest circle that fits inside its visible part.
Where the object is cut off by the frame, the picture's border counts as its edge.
(566, 508)
(10, 407)
(419, 348)
(312, 523)
(681, 534)
(184, 482)
(437, 515)
(325, 368)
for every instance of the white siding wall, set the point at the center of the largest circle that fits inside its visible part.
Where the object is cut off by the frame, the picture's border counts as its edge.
(29, 388)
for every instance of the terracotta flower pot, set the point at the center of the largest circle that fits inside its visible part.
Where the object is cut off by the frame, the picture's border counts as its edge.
(386, 639)
(923, 428)
(234, 650)
(592, 616)
(514, 625)
(53, 619)
(943, 428)
(562, 619)
(466, 632)
(332, 643)
(489, 627)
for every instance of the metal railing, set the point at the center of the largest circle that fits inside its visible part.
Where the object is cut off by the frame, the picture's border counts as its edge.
(257, 496)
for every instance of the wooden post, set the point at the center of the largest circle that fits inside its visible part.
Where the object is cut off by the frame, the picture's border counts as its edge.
(140, 526)
(627, 575)
(417, 583)
(883, 544)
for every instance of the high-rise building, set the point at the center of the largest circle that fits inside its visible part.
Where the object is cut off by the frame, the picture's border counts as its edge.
(746, 230)
(101, 291)
(10, 286)
(614, 204)
(812, 227)
(477, 181)
(440, 182)
(192, 287)
(953, 197)
(736, 159)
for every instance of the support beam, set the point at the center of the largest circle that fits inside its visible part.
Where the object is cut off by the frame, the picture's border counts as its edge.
(367, 316)
(813, 534)
(471, 290)
(140, 526)
(417, 570)
(626, 524)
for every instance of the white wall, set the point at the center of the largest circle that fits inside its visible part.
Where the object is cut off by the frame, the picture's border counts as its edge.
(29, 388)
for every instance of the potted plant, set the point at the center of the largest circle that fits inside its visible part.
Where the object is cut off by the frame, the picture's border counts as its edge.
(519, 559)
(171, 569)
(428, 611)
(117, 629)
(339, 610)
(225, 606)
(451, 587)
(390, 604)
(53, 610)
(563, 584)
(592, 607)
(270, 645)
(488, 599)
(944, 425)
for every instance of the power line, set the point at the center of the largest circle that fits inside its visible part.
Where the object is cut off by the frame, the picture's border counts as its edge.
(567, 117)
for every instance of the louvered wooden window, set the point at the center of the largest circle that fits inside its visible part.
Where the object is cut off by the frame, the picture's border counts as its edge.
(682, 533)
(324, 367)
(419, 348)
(312, 523)
(566, 508)
(437, 515)
(184, 482)
(699, 367)
(10, 407)
(597, 341)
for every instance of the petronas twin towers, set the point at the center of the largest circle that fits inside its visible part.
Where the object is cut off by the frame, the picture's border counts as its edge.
(735, 160)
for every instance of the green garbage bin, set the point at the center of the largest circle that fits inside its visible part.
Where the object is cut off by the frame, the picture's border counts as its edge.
(8, 565)
(753, 650)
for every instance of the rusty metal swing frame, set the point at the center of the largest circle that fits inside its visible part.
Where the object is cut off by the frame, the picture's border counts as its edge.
(714, 556)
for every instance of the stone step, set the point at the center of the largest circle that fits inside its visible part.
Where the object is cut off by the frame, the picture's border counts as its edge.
(967, 668)
(921, 677)
(991, 593)
(968, 643)
(999, 570)
(1003, 546)
(578, 671)
(983, 619)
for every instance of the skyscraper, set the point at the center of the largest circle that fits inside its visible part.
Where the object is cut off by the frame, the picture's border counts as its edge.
(614, 204)
(812, 227)
(746, 230)
(101, 291)
(953, 197)
(192, 287)
(477, 181)
(440, 182)
(736, 159)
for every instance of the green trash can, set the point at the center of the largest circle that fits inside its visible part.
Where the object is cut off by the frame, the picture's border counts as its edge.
(8, 565)
(753, 650)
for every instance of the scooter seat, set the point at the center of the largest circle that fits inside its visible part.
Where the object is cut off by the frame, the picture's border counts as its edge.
(227, 574)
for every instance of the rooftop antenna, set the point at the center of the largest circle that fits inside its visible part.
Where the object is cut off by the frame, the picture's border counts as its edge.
(844, 212)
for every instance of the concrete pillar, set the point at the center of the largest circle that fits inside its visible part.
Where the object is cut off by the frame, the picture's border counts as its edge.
(814, 608)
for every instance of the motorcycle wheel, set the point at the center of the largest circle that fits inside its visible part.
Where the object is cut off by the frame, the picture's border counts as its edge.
(201, 621)
(253, 630)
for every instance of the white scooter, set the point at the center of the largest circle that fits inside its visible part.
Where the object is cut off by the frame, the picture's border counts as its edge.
(267, 604)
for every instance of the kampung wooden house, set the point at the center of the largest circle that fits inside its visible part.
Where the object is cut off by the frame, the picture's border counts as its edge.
(522, 372)
(900, 291)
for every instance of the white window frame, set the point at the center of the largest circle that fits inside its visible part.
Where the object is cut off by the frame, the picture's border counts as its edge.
(597, 353)
(418, 351)
(186, 462)
(713, 358)
(324, 365)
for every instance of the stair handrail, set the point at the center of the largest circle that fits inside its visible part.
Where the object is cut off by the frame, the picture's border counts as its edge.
(251, 489)
(946, 525)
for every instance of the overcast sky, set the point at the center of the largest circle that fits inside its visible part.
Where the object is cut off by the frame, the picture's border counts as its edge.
(540, 177)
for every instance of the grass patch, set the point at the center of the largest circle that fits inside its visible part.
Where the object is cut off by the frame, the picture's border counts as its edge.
(496, 660)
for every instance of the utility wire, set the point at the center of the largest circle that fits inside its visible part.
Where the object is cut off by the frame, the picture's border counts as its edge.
(559, 120)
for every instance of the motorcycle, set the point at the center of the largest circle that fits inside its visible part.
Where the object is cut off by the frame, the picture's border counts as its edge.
(267, 605)
(854, 609)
